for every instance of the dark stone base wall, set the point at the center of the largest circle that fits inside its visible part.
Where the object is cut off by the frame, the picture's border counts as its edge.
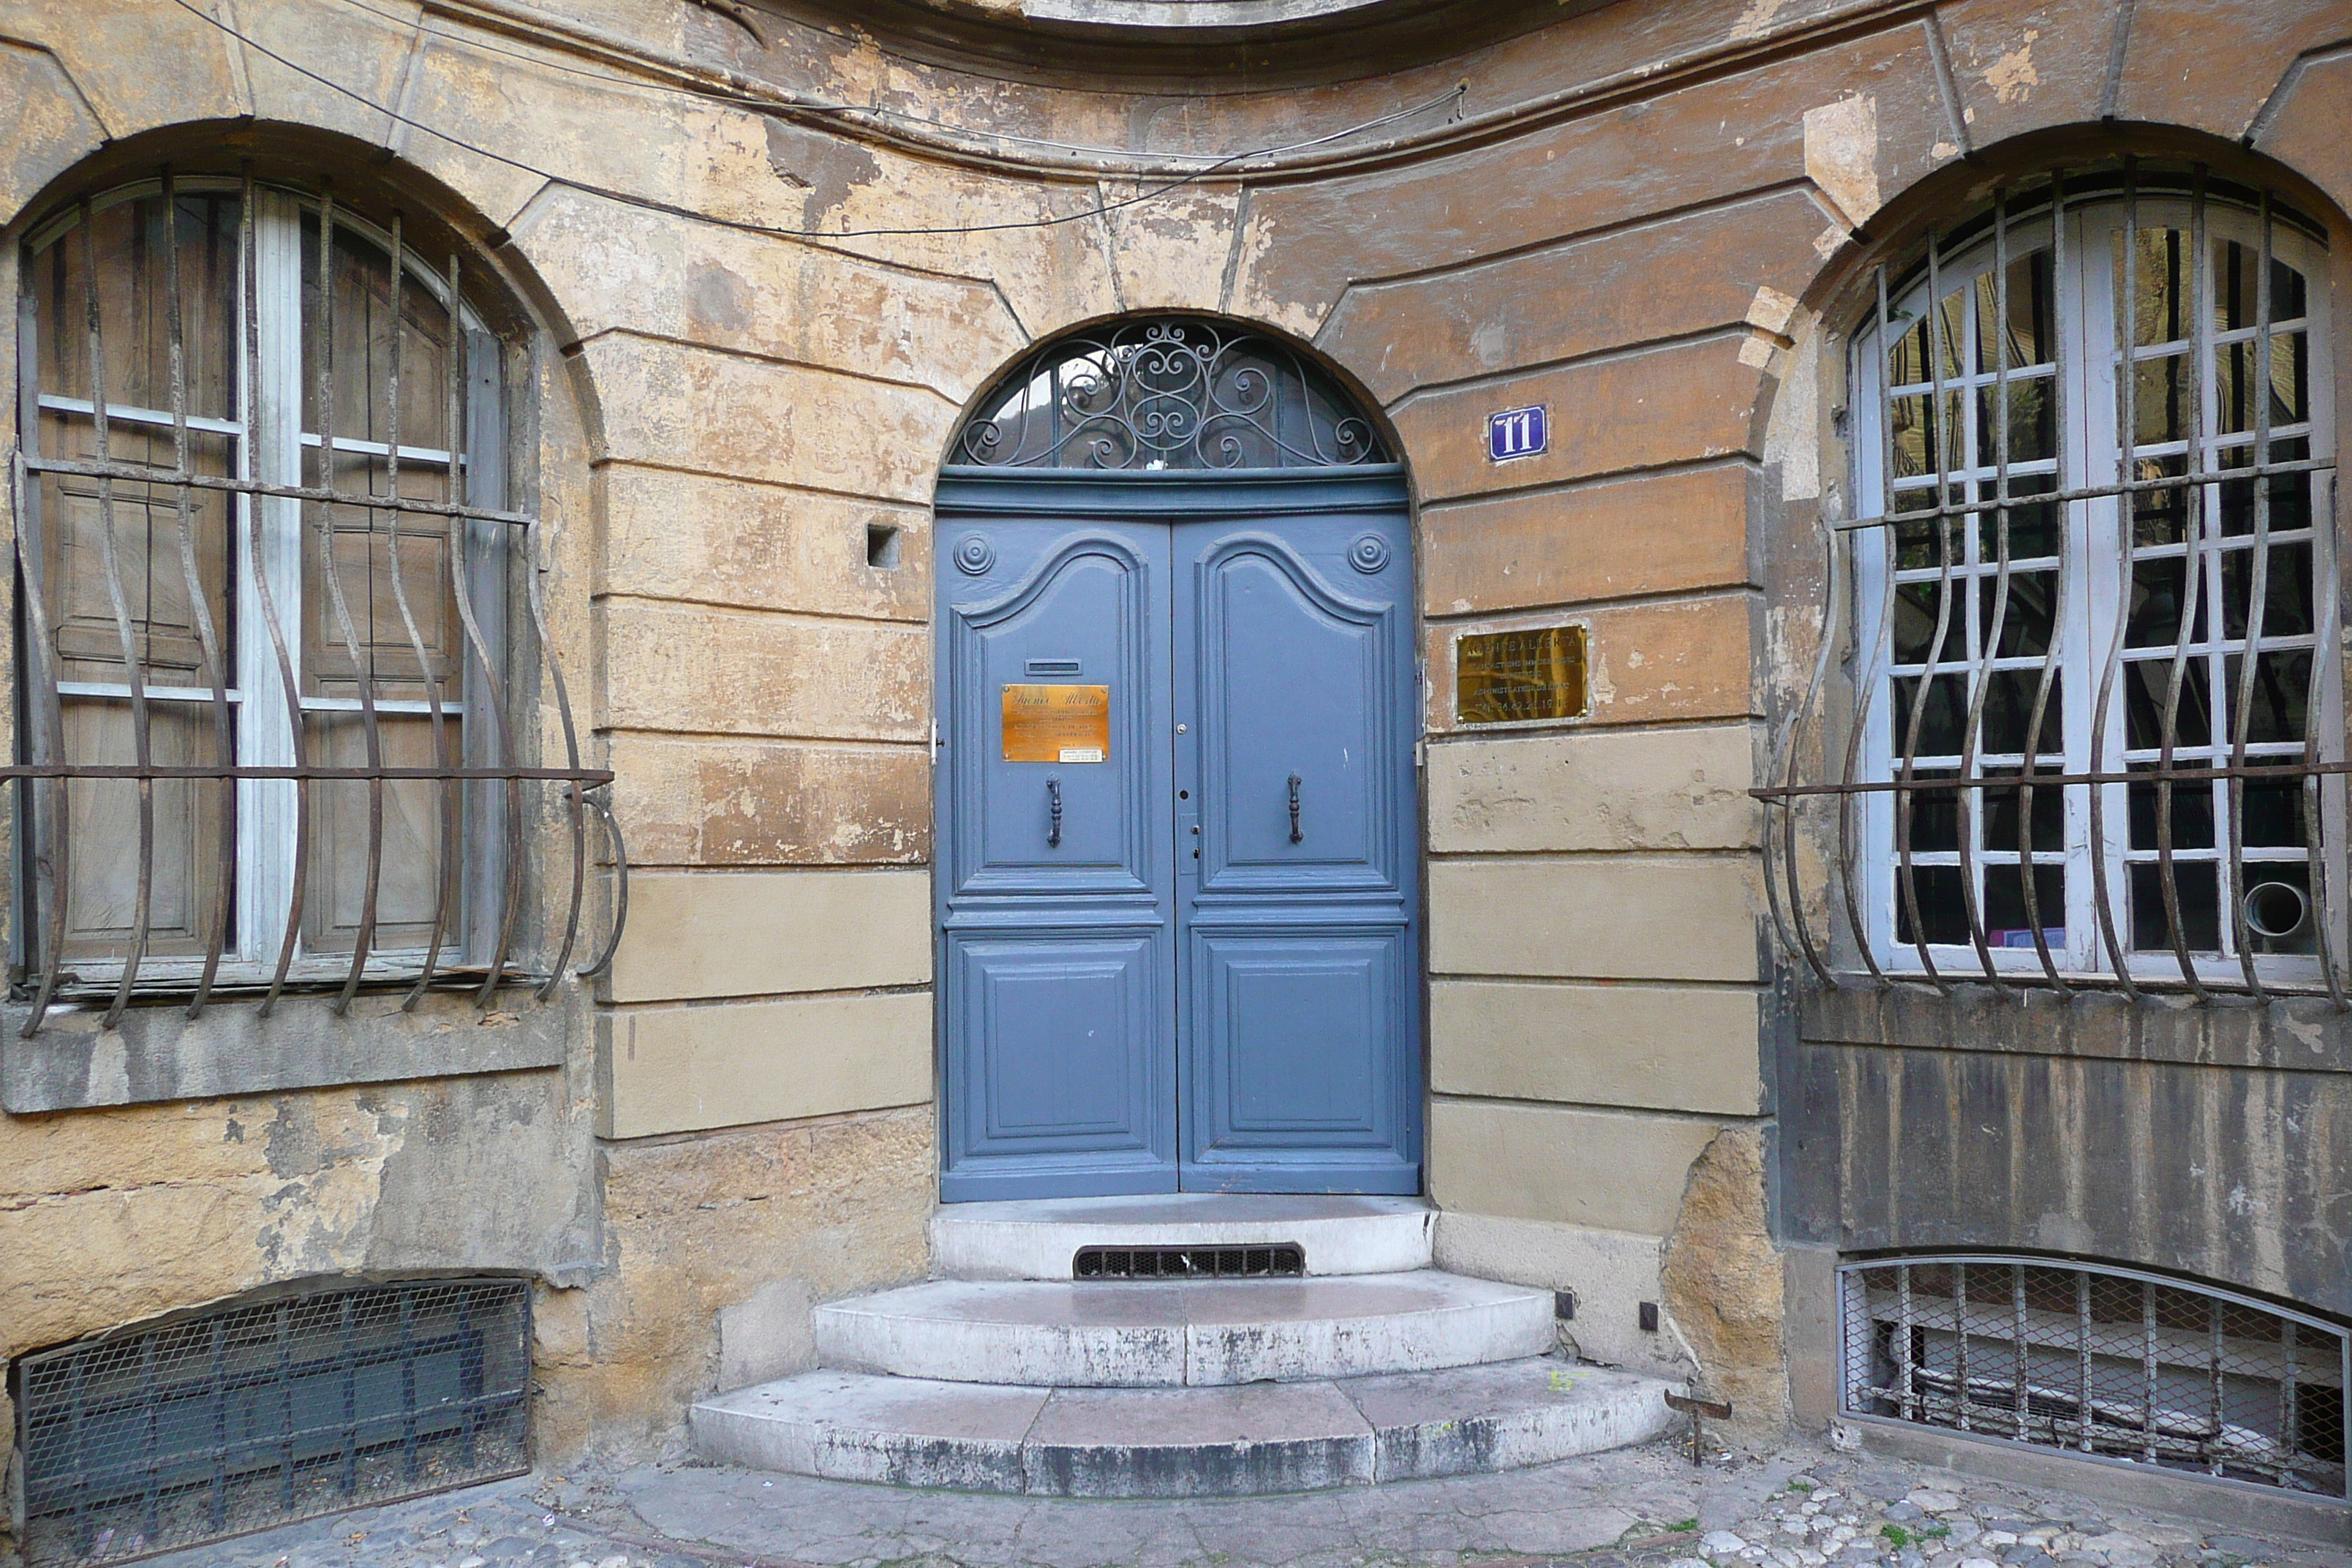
(2215, 1143)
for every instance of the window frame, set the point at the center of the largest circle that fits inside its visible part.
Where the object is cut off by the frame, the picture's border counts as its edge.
(2089, 566)
(267, 356)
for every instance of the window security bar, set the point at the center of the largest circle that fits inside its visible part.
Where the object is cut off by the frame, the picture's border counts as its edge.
(248, 1416)
(2108, 1362)
(231, 469)
(2050, 769)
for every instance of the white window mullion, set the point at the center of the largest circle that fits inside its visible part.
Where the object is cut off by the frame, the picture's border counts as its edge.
(266, 806)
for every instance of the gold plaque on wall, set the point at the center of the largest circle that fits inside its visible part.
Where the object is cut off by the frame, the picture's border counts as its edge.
(1058, 723)
(1515, 678)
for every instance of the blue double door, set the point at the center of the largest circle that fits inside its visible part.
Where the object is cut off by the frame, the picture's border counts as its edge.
(1177, 880)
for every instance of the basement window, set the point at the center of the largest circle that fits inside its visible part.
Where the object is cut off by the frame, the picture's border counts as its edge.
(2108, 1363)
(243, 1417)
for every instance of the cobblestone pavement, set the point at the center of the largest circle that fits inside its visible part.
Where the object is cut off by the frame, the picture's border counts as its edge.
(1641, 1507)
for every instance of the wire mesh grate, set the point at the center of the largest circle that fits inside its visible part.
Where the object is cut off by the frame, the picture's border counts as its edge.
(2107, 1362)
(1279, 1260)
(255, 1416)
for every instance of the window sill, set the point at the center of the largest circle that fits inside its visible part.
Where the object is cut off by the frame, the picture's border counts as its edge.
(160, 1054)
(2299, 1033)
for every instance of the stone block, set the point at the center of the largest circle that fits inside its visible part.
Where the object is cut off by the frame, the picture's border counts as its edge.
(49, 129)
(2021, 64)
(2211, 67)
(1611, 918)
(1169, 251)
(696, 1225)
(679, 667)
(1614, 163)
(1651, 534)
(677, 1069)
(1649, 663)
(1580, 789)
(765, 934)
(159, 1053)
(112, 49)
(713, 540)
(2307, 133)
(766, 1334)
(1673, 279)
(615, 266)
(1613, 1170)
(1657, 1046)
(364, 50)
(1610, 1272)
(1679, 403)
(678, 405)
(757, 802)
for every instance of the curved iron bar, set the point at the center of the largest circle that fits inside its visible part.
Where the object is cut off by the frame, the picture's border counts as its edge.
(2314, 817)
(620, 880)
(207, 634)
(2192, 532)
(1881, 649)
(2233, 886)
(58, 837)
(1783, 769)
(2127, 428)
(494, 699)
(363, 665)
(268, 601)
(2063, 523)
(1168, 392)
(1988, 637)
(143, 903)
(1939, 435)
(535, 597)
(447, 801)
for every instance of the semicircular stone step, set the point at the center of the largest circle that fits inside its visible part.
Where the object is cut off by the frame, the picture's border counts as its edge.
(1179, 1442)
(1105, 1334)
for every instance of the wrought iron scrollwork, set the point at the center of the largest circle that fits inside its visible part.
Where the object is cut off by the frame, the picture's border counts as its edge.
(1167, 393)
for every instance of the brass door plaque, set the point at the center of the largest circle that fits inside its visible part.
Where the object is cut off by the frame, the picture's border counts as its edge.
(1058, 723)
(1513, 677)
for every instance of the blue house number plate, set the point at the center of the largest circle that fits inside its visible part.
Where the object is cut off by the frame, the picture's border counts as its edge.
(1517, 433)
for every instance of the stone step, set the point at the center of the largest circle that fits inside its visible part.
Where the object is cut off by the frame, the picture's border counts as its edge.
(1040, 1239)
(1164, 1334)
(1179, 1442)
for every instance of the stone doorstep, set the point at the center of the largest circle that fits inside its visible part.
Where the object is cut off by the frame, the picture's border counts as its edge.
(1161, 1335)
(1038, 1239)
(1249, 1440)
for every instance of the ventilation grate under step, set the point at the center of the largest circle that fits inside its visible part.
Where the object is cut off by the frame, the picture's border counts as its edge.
(1283, 1260)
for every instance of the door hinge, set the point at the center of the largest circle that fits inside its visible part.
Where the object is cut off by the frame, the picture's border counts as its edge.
(1421, 752)
(935, 743)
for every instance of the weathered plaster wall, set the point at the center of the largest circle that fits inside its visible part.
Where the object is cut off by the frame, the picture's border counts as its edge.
(1626, 216)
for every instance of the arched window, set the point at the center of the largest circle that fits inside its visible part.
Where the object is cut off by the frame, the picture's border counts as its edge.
(270, 559)
(2093, 563)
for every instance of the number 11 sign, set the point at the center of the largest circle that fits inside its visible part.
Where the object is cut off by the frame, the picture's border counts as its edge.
(1517, 433)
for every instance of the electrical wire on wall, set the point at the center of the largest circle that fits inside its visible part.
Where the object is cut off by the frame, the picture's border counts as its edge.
(1100, 209)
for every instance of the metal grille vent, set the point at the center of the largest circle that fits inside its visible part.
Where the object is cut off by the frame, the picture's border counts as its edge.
(2107, 1362)
(240, 1419)
(1283, 1259)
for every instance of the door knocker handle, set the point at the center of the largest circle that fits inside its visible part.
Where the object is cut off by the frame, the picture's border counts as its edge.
(1295, 836)
(1053, 796)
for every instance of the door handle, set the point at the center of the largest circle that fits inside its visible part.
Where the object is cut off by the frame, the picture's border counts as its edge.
(1295, 836)
(1054, 796)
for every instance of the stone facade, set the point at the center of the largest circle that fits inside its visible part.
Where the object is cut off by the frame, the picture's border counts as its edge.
(765, 314)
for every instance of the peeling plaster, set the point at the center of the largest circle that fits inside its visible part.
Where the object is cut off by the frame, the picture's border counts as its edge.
(2013, 77)
(1842, 154)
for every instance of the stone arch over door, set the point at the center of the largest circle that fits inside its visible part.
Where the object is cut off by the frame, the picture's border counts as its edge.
(1177, 880)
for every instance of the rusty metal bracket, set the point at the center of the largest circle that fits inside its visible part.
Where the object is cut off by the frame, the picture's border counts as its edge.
(1695, 1408)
